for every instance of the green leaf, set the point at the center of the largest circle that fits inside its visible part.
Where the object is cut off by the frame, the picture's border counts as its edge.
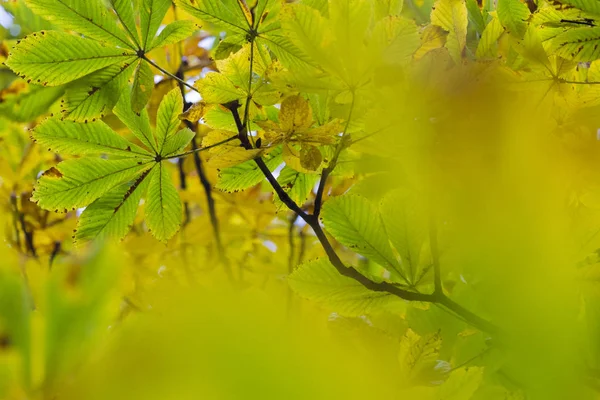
(54, 58)
(590, 6)
(112, 215)
(513, 15)
(579, 44)
(167, 119)
(487, 47)
(139, 125)
(67, 137)
(451, 15)
(356, 223)
(247, 174)
(77, 183)
(225, 14)
(215, 88)
(177, 142)
(319, 281)
(308, 30)
(163, 208)
(111, 188)
(152, 13)
(124, 12)
(90, 18)
(296, 184)
(94, 95)
(30, 104)
(407, 228)
(143, 83)
(399, 39)
(174, 32)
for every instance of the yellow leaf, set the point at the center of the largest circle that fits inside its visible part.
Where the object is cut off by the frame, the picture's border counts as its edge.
(310, 157)
(295, 114)
(194, 113)
(227, 154)
(451, 15)
(432, 37)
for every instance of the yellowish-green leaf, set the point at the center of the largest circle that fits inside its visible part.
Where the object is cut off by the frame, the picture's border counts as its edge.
(167, 119)
(513, 15)
(418, 357)
(488, 44)
(163, 205)
(225, 14)
(406, 225)
(174, 32)
(139, 125)
(247, 174)
(432, 37)
(296, 184)
(451, 15)
(177, 142)
(152, 13)
(143, 83)
(91, 18)
(94, 95)
(112, 215)
(54, 58)
(319, 281)
(579, 44)
(71, 138)
(124, 12)
(227, 154)
(77, 183)
(356, 223)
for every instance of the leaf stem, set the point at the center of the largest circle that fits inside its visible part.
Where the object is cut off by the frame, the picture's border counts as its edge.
(197, 150)
(164, 71)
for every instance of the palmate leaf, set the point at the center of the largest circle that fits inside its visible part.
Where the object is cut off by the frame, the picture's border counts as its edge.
(262, 25)
(101, 59)
(233, 80)
(111, 188)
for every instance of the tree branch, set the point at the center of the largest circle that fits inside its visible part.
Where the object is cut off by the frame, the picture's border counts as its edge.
(206, 185)
(349, 272)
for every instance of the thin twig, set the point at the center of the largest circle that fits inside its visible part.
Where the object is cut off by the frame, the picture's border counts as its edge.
(332, 164)
(199, 149)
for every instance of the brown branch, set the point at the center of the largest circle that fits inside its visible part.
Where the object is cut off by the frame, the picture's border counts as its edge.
(437, 297)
